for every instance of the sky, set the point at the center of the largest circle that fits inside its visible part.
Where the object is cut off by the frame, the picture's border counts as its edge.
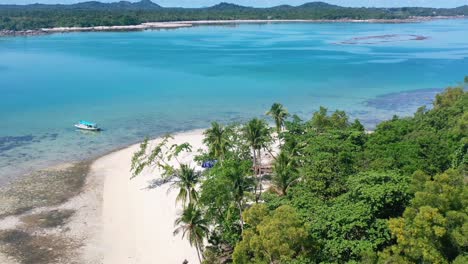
(266, 3)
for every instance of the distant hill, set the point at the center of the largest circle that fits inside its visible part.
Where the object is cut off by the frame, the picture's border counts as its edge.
(125, 5)
(227, 6)
(318, 5)
(93, 13)
(463, 9)
(91, 5)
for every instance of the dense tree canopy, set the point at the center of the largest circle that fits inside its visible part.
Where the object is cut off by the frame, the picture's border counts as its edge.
(434, 228)
(271, 237)
(336, 193)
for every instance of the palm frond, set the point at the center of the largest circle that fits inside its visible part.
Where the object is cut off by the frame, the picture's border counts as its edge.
(138, 163)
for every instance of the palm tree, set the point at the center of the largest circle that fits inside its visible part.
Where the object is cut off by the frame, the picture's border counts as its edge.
(192, 224)
(240, 184)
(285, 172)
(185, 179)
(217, 140)
(257, 134)
(279, 114)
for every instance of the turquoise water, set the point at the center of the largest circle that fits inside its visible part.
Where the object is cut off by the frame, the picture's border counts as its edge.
(138, 84)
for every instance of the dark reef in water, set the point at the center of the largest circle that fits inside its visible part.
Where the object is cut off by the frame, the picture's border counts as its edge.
(371, 40)
(404, 101)
(11, 142)
(400, 103)
(384, 107)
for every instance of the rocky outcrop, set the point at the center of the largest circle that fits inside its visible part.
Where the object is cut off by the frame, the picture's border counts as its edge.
(14, 33)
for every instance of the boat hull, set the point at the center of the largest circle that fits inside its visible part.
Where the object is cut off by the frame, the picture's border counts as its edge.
(83, 127)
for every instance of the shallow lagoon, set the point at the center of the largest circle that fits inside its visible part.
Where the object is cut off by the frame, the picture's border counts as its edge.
(138, 84)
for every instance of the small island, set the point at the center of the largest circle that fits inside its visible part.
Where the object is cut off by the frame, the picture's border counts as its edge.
(38, 19)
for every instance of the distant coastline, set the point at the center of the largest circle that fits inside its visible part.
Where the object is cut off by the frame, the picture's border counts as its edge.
(185, 24)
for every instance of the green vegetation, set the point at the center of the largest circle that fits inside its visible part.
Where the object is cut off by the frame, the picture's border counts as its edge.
(336, 194)
(271, 237)
(16, 17)
(192, 225)
(279, 114)
(434, 228)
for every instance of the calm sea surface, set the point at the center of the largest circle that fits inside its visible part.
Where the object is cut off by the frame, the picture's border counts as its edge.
(139, 84)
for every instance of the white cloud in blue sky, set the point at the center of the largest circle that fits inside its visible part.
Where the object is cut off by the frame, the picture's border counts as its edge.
(264, 3)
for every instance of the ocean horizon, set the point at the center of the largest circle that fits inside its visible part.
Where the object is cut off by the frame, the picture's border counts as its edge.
(148, 83)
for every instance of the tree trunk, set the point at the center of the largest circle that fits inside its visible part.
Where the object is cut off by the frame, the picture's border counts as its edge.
(260, 188)
(254, 157)
(259, 176)
(280, 145)
(240, 216)
(197, 246)
(189, 196)
(255, 169)
(259, 157)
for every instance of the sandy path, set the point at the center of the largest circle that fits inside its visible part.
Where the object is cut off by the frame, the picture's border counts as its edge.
(138, 223)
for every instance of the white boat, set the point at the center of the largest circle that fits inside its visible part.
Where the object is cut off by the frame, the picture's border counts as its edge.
(85, 125)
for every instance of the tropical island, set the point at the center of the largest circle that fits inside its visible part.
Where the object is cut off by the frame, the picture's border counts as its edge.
(334, 193)
(126, 16)
(322, 190)
(197, 160)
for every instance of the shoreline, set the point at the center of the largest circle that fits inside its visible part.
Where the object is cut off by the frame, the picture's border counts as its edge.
(114, 219)
(188, 24)
(15, 176)
(142, 217)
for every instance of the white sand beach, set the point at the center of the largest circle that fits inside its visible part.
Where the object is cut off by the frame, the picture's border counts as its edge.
(116, 219)
(186, 24)
(138, 223)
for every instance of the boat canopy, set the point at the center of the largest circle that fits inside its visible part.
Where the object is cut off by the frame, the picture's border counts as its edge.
(86, 123)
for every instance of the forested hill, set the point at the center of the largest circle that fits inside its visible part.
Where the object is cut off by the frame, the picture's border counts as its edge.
(35, 16)
(89, 5)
